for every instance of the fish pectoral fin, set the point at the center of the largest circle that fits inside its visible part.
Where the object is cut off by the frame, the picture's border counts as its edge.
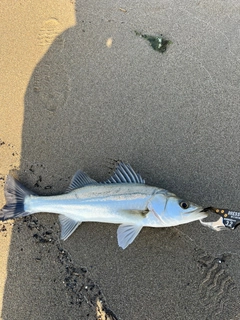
(68, 226)
(126, 234)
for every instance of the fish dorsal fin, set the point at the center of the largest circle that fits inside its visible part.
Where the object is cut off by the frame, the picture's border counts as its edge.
(79, 180)
(126, 234)
(124, 173)
(68, 226)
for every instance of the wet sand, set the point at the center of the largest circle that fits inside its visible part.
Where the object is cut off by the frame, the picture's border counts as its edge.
(79, 88)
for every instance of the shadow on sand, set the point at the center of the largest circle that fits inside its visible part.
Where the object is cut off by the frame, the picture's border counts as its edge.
(86, 103)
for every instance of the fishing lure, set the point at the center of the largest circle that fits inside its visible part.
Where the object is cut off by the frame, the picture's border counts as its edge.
(229, 219)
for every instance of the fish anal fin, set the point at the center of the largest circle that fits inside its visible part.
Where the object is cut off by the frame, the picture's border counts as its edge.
(126, 234)
(68, 226)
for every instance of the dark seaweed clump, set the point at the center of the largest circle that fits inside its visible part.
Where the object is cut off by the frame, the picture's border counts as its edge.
(158, 43)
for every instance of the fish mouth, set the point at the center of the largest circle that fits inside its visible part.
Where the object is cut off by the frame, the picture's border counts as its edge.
(206, 209)
(199, 212)
(203, 213)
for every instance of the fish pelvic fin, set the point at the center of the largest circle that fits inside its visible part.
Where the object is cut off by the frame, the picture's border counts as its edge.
(15, 194)
(126, 234)
(68, 226)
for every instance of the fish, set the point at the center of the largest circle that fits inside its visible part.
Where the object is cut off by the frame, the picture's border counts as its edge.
(123, 199)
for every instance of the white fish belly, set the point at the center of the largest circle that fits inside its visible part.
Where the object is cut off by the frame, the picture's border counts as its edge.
(120, 203)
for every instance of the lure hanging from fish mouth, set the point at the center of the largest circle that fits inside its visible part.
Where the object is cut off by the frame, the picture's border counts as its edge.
(229, 219)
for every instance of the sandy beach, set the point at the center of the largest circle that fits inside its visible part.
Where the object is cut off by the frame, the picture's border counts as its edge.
(79, 86)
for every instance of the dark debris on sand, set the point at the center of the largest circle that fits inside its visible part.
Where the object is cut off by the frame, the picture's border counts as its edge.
(81, 289)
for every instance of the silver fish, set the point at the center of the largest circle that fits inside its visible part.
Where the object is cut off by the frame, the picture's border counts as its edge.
(123, 199)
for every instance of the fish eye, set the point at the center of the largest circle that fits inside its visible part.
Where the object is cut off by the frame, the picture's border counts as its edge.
(184, 205)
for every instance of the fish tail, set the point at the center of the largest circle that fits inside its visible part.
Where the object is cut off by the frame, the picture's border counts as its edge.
(15, 194)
